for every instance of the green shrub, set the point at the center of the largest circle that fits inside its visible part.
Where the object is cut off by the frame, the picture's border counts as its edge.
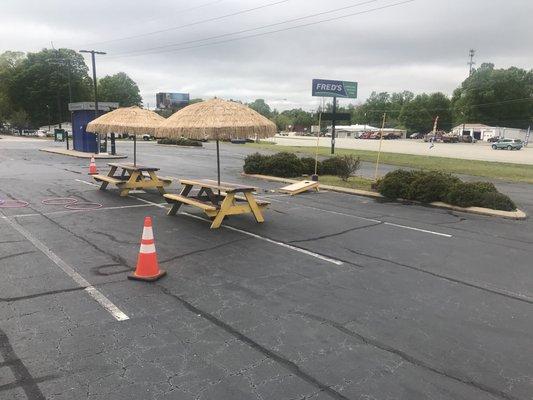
(255, 164)
(348, 165)
(395, 185)
(330, 166)
(468, 194)
(497, 201)
(308, 165)
(430, 186)
(285, 165)
(180, 141)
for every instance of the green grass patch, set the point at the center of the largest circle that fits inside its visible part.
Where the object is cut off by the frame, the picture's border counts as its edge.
(355, 182)
(488, 169)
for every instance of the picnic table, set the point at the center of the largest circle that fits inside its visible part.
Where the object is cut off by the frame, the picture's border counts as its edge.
(226, 201)
(132, 177)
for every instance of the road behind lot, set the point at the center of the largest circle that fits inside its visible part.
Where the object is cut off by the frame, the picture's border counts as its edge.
(334, 297)
(466, 151)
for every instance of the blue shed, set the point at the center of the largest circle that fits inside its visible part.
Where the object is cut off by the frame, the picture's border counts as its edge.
(82, 114)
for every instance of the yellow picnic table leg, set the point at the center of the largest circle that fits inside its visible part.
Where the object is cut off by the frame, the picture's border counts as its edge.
(130, 184)
(224, 207)
(159, 183)
(175, 204)
(104, 184)
(254, 207)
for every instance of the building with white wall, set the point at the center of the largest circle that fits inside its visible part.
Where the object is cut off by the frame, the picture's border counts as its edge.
(485, 132)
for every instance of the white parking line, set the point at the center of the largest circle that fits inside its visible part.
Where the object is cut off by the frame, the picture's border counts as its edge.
(281, 244)
(287, 246)
(67, 269)
(78, 211)
(367, 219)
(87, 183)
(418, 229)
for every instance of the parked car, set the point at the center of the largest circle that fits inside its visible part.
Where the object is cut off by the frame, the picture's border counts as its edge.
(509, 144)
(493, 139)
(467, 139)
(416, 135)
(143, 137)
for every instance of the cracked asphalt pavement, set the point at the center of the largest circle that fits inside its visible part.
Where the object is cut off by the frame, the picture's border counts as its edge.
(333, 297)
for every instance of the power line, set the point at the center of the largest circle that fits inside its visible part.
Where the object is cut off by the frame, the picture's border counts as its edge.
(253, 29)
(151, 50)
(182, 11)
(173, 28)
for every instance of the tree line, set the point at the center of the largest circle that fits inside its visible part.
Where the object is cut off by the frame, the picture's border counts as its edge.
(490, 96)
(35, 89)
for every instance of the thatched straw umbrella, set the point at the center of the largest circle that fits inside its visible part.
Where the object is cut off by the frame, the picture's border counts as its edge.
(217, 119)
(127, 120)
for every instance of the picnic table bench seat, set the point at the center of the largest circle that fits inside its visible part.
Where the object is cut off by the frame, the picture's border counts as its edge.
(110, 179)
(133, 177)
(192, 201)
(221, 200)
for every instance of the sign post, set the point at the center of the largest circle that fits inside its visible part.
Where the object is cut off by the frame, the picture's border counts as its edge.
(340, 89)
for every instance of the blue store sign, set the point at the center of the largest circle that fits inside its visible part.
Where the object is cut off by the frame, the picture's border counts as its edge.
(328, 88)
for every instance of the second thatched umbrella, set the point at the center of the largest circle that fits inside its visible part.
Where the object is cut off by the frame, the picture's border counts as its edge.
(127, 120)
(217, 119)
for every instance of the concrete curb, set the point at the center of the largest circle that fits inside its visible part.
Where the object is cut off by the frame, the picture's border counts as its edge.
(80, 154)
(181, 147)
(516, 215)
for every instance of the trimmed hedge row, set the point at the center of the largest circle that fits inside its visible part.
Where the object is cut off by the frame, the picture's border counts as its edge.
(288, 165)
(430, 186)
(180, 142)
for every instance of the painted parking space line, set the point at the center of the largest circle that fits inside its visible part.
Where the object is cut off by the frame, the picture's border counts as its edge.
(446, 235)
(98, 296)
(85, 182)
(281, 244)
(78, 211)
(367, 219)
(265, 239)
(418, 229)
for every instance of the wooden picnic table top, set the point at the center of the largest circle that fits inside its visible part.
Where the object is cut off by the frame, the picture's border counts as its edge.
(131, 167)
(212, 184)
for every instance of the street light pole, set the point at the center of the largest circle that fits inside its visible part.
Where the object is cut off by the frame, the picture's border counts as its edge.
(95, 84)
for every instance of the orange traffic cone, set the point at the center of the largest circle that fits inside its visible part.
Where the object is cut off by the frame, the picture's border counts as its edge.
(147, 265)
(92, 167)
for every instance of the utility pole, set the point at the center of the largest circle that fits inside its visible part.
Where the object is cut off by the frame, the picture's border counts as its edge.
(95, 84)
(472, 62)
(380, 143)
(333, 126)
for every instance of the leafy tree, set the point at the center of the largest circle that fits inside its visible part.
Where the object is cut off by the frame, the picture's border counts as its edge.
(282, 121)
(418, 115)
(19, 119)
(36, 80)
(9, 61)
(197, 100)
(120, 88)
(496, 97)
(261, 107)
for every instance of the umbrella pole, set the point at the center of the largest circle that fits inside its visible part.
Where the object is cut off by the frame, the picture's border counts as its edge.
(135, 150)
(218, 165)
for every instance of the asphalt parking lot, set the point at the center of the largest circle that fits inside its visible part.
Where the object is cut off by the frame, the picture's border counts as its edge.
(333, 297)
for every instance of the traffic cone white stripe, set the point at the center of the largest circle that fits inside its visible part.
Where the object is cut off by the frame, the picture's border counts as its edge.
(147, 248)
(148, 233)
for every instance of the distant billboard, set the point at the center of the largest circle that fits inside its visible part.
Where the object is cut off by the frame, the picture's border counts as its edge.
(328, 88)
(171, 100)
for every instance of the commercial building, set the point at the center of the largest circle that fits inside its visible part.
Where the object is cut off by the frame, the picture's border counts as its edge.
(355, 131)
(485, 132)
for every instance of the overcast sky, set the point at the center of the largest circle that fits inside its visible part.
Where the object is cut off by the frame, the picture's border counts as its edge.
(420, 46)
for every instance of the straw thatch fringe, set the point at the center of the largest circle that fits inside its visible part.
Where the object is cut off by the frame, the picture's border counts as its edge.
(216, 119)
(129, 120)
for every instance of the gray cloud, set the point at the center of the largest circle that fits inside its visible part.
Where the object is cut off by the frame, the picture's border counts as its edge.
(420, 46)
